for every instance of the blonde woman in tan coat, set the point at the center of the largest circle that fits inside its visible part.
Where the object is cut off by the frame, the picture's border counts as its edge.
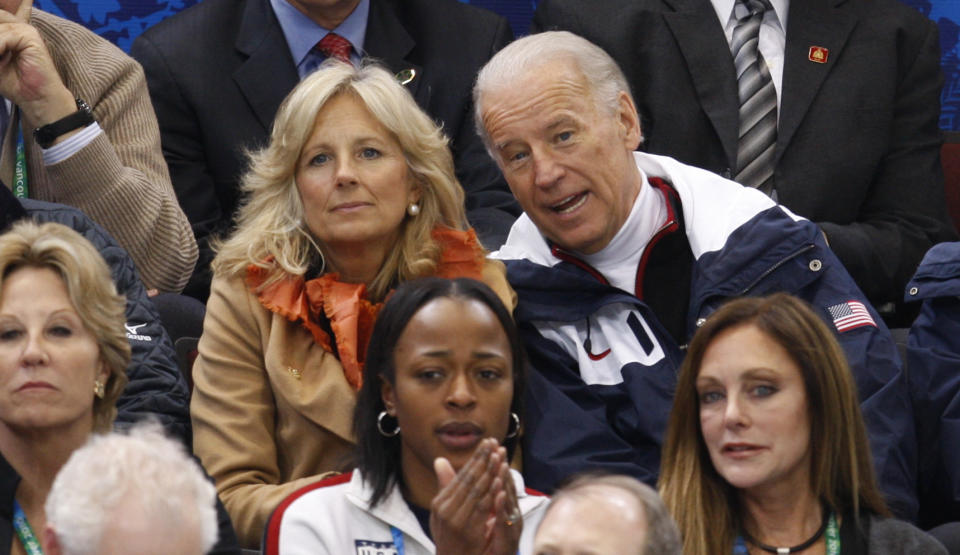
(355, 194)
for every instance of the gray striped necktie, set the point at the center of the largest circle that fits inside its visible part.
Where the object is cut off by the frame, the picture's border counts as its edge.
(758, 100)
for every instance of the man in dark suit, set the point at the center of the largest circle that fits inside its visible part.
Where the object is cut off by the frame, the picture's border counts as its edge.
(219, 70)
(857, 142)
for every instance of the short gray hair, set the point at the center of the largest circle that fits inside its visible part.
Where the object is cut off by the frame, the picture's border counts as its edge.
(142, 465)
(662, 537)
(603, 76)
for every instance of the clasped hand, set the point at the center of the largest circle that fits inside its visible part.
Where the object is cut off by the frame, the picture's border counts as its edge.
(476, 510)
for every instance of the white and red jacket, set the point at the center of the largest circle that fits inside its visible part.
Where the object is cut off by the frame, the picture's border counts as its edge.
(333, 516)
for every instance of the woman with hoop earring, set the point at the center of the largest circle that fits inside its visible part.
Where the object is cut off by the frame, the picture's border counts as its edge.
(436, 421)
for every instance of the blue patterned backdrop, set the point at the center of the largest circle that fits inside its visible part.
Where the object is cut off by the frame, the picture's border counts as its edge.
(120, 21)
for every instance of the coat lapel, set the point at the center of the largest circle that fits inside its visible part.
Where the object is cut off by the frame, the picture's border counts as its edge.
(388, 41)
(704, 47)
(811, 23)
(268, 74)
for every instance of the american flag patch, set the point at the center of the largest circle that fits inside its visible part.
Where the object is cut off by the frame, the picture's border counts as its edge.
(850, 315)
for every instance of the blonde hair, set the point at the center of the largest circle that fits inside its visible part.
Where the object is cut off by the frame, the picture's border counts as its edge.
(92, 293)
(704, 505)
(270, 222)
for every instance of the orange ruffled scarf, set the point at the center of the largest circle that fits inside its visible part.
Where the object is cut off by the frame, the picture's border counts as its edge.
(345, 305)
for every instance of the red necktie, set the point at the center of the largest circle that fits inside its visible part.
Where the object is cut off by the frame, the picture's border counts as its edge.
(334, 46)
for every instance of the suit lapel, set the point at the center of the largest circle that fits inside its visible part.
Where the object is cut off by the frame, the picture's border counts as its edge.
(268, 74)
(697, 31)
(388, 41)
(811, 23)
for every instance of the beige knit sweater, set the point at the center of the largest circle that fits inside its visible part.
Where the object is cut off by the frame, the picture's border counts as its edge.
(120, 179)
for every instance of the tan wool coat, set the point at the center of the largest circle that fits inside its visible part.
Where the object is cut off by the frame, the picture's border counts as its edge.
(272, 410)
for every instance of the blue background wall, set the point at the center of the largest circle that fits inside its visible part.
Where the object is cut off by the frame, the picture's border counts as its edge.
(120, 21)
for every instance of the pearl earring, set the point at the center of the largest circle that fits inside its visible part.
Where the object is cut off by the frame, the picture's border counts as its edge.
(413, 209)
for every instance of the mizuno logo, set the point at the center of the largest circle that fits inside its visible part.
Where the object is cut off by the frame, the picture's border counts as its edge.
(133, 332)
(133, 329)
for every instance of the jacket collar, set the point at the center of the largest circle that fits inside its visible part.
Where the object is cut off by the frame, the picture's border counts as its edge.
(938, 274)
(394, 511)
(9, 480)
(344, 306)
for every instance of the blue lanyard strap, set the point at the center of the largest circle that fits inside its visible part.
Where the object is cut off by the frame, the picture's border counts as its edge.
(24, 531)
(397, 539)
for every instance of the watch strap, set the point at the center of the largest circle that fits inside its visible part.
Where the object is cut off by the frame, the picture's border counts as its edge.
(46, 135)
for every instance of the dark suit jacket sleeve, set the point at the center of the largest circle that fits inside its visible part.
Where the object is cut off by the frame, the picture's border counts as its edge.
(491, 208)
(183, 150)
(903, 214)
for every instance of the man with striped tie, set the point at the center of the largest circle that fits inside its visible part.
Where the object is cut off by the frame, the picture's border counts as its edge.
(830, 106)
(619, 255)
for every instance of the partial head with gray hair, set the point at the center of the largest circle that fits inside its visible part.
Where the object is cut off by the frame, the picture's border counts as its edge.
(532, 52)
(556, 115)
(138, 492)
(606, 514)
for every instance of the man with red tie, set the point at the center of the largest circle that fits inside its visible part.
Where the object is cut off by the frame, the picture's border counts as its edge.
(218, 71)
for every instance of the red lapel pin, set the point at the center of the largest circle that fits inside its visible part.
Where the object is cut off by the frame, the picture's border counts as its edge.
(818, 54)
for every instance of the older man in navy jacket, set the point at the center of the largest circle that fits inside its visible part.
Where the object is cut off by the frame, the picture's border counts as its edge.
(620, 255)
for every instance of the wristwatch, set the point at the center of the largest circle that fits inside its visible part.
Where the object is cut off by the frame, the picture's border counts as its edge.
(47, 134)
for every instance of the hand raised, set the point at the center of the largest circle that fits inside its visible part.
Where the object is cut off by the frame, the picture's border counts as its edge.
(463, 515)
(28, 76)
(505, 525)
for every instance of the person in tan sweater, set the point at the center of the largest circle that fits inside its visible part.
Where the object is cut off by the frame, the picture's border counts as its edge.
(81, 111)
(354, 194)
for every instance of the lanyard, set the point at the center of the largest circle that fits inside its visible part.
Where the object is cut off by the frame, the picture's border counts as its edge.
(24, 532)
(833, 536)
(397, 539)
(20, 188)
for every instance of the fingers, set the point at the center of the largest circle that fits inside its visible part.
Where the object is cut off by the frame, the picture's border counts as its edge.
(444, 471)
(505, 527)
(28, 76)
(23, 10)
(471, 491)
(465, 502)
(509, 489)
